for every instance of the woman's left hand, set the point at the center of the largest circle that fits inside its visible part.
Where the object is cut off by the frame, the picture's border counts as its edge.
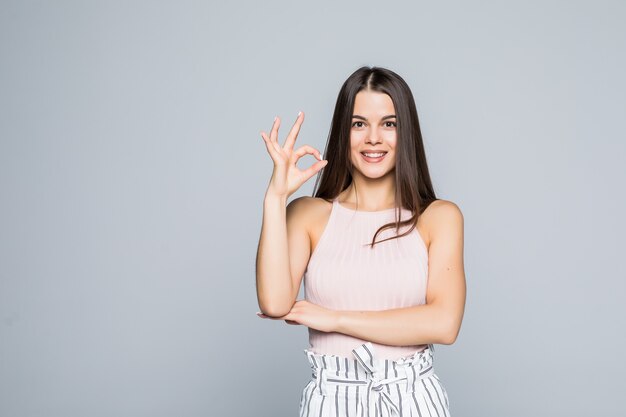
(311, 315)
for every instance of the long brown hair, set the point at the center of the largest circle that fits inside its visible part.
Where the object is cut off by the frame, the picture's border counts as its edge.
(414, 190)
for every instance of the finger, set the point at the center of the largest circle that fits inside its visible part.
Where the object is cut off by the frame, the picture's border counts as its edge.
(293, 133)
(313, 169)
(274, 131)
(292, 322)
(270, 145)
(306, 149)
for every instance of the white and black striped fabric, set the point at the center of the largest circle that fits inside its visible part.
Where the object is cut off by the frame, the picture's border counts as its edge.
(367, 386)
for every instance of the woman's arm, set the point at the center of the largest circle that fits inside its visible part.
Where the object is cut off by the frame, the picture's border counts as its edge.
(437, 321)
(415, 325)
(284, 245)
(282, 255)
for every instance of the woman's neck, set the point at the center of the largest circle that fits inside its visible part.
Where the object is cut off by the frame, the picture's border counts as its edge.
(370, 195)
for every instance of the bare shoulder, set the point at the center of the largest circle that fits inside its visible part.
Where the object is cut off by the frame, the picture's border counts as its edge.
(298, 206)
(308, 208)
(310, 213)
(441, 216)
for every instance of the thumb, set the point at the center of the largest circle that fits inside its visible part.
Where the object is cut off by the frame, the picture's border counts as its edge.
(313, 169)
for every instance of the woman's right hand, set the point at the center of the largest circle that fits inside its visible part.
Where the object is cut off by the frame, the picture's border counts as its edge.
(287, 177)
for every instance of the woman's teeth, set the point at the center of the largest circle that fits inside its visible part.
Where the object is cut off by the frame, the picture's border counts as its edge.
(374, 156)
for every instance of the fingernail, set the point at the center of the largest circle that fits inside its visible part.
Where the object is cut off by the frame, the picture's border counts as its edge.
(299, 113)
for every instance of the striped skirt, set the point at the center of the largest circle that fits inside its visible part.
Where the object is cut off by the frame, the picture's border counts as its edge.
(367, 386)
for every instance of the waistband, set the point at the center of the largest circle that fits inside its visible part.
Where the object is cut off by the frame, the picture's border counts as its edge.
(373, 373)
(368, 370)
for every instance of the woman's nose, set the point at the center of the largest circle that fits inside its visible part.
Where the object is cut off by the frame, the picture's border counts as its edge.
(373, 138)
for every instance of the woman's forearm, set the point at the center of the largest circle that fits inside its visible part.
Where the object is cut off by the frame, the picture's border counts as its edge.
(273, 276)
(415, 325)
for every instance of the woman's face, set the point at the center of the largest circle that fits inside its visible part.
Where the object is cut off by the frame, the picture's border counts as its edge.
(373, 130)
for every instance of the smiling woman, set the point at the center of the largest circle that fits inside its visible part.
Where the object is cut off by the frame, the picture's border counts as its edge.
(380, 256)
(370, 103)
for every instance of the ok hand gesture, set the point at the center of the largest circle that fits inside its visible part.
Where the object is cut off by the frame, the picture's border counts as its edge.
(287, 177)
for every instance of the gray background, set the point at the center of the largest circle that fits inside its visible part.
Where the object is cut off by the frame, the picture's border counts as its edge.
(132, 175)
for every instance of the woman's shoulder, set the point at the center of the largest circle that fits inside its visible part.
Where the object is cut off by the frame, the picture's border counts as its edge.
(308, 209)
(313, 213)
(442, 208)
(441, 215)
(310, 205)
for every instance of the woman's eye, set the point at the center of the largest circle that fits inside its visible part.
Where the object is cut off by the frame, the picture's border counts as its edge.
(387, 124)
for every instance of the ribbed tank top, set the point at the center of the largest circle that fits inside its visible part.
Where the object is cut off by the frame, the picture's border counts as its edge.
(343, 273)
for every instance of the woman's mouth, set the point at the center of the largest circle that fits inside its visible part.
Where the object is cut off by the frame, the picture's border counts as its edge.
(373, 157)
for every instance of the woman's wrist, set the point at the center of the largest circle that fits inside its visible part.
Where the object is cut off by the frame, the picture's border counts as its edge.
(273, 198)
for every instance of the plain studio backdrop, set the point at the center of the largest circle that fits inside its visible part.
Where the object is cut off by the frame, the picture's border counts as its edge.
(132, 178)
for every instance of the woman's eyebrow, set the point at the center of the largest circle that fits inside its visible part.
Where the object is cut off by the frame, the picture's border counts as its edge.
(389, 116)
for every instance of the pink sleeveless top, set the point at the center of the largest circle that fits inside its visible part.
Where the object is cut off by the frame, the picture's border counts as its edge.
(345, 274)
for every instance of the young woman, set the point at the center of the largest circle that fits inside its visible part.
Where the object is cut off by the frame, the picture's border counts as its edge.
(381, 256)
